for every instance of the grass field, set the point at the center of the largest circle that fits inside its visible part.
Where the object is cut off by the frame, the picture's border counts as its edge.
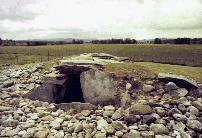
(172, 54)
(190, 55)
(148, 69)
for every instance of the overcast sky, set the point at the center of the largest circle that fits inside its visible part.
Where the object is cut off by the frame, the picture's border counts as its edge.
(41, 19)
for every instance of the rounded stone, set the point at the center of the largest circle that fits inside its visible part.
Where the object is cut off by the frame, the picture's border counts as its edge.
(195, 125)
(110, 130)
(140, 109)
(147, 134)
(159, 129)
(148, 88)
(180, 117)
(119, 134)
(193, 110)
(170, 86)
(117, 115)
(109, 108)
(78, 128)
(198, 105)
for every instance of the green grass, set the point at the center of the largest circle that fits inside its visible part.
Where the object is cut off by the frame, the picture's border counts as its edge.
(190, 72)
(190, 55)
(130, 70)
(147, 70)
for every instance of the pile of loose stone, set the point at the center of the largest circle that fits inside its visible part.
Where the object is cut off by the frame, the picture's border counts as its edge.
(21, 80)
(148, 109)
(165, 110)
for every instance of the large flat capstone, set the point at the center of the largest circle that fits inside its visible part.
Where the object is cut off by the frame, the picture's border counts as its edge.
(98, 88)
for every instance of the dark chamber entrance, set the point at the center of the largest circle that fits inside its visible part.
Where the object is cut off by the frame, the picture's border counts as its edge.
(73, 91)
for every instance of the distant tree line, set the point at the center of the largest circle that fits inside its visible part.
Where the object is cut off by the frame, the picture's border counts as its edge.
(178, 41)
(115, 41)
(105, 41)
(37, 43)
(74, 41)
(157, 41)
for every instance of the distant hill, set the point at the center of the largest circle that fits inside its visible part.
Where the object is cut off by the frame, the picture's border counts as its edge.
(61, 39)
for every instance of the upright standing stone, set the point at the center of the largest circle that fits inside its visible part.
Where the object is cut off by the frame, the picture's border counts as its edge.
(98, 88)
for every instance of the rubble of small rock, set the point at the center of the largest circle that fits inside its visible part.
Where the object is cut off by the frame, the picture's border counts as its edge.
(158, 108)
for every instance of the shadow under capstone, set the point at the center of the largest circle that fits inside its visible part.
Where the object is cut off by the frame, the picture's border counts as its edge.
(73, 92)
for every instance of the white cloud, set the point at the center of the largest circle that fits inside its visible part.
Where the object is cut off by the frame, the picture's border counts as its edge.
(29, 19)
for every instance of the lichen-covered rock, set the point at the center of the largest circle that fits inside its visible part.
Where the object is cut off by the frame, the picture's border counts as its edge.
(109, 108)
(47, 118)
(140, 109)
(159, 129)
(119, 133)
(11, 132)
(42, 133)
(195, 125)
(5, 108)
(198, 105)
(110, 130)
(147, 134)
(78, 128)
(118, 125)
(100, 135)
(132, 134)
(101, 124)
(182, 92)
(10, 123)
(193, 110)
(117, 114)
(98, 88)
(125, 100)
(148, 88)
(180, 117)
(8, 84)
(179, 127)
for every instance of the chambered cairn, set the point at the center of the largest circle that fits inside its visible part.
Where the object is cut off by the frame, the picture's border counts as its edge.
(79, 98)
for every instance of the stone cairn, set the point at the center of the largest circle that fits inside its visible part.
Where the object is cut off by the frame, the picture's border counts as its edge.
(168, 106)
